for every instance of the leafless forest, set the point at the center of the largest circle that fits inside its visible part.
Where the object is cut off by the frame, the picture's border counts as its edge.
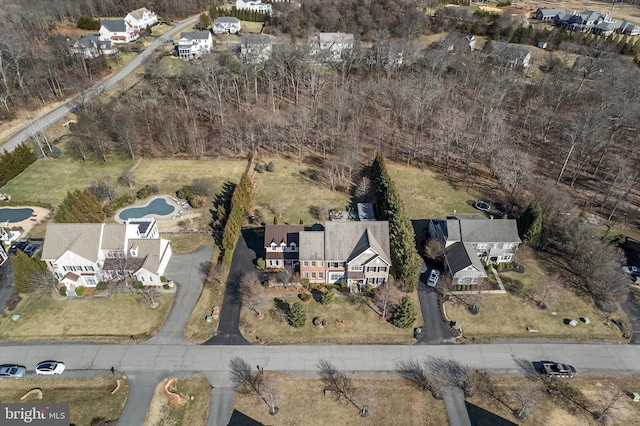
(456, 113)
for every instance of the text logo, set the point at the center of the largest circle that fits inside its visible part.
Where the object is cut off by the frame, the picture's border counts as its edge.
(34, 414)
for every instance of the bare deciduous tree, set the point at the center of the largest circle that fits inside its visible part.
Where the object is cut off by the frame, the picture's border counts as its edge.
(252, 292)
(413, 372)
(340, 386)
(265, 387)
(547, 291)
(434, 249)
(454, 373)
(527, 396)
(387, 297)
(42, 282)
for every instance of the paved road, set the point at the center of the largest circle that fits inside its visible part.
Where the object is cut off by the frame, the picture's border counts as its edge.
(189, 272)
(250, 245)
(45, 120)
(494, 358)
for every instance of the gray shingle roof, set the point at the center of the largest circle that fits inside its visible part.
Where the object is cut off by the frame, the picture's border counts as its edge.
(195, 35)
(80, 238)
(256, 39)
(461, 256)
(115, 25)
(312, 245)
(341, 238)
(489, 231)
(226, 20)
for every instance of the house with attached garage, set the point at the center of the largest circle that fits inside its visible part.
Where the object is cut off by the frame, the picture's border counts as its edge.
(194, 44)
(83, 254)
(255, 48)
(255, 6)
(118, 31)
(331, 47)
(141, 18)
(472, 242)
(90, 46)
(354, 251)
(226, 25)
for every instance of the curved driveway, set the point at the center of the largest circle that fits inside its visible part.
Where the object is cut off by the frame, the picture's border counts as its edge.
(51, 117)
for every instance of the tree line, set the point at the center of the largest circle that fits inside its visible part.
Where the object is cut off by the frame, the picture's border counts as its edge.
(15, 162)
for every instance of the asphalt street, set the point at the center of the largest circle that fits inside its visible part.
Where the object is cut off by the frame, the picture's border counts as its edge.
(44, 121)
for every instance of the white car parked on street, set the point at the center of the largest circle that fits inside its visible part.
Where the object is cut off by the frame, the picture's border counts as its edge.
(48, 368)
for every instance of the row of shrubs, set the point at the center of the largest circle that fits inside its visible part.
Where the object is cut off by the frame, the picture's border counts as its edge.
(102, 285)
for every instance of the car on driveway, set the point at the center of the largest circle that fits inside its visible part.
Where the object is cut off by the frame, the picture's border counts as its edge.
(31, 249)
(14, 371)
(433, 278)
(20, 245)
(48, 368)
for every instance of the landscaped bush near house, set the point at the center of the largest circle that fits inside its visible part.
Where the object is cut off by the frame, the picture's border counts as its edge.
(184, 192)
(79, 291)
(196, 201)
(138, 285)
(271, 167)
(117, 203)
(102, 285)
(147, 191)
(260, 263)
(405, 314)
(163, 279)
(304, 296)
(297, 315)
(327, 297)
(63, 291)
(166, 286)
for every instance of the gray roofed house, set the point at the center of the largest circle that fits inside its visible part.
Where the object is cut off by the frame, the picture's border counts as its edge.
(102, 251)
(547, 14)
(331, 47)
(471, 241)
(457, 42)
(596, 22)
(255, 48)
(118, 31)
(226, 25)
(194, 44)
(90, 46)
(312, 245)
(513, 57)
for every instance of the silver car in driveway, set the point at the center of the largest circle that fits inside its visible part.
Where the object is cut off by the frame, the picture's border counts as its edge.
(13, 371)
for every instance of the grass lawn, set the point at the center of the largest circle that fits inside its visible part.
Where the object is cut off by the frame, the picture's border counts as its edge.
(507, 316)
(181, 244)
(171, 175)
(251, 27)
(170, 66)
(96, 320)
(36, 182)
(87, 398)
(192, 412)
(546, 411)
(289, 194)
(426, 196)
(364, 325)
(303, 403)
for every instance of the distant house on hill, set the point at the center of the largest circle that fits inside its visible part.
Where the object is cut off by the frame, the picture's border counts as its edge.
(90, 46)
(513, 57)
(331, 47)
(226, 25)
(255, 48)
(118, 31)
(141, 18)
(255, 6)
(457, 42)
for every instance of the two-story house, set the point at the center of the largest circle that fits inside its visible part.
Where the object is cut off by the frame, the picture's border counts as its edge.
(255, 6)
(90, 46)
(226, 25)
(83, 254)
(281, 244)
(473, 241)
(118, 31)
(141, 18)
(331, 47)
(255, 48)
(194, 44)
(548, 14)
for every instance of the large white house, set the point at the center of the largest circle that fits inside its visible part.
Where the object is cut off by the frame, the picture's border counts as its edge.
(141, 18)
(83, 254)
(226, 25)
(118, 31)
(194, 44)
(254, 5)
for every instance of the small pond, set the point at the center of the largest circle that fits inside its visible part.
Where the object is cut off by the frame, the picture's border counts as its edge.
(15, 215)
(158, 206)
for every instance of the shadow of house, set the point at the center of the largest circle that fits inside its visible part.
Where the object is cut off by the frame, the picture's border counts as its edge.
(241, 419)
(481, 417)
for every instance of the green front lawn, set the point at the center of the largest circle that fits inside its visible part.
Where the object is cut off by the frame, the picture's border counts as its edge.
(114, 319)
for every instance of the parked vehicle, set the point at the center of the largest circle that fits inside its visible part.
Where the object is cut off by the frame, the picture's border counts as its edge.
(482, 205)
(47, 368)
(13, 371)
(31, 249)
(556, 369)
(634, 271)
(433, 278)
(20, 245)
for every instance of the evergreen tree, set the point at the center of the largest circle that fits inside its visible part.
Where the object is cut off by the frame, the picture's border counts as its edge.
(204, 21)
(405, 315)
(327, 297)
(23, 268)
(297, 315)
(80, 207)
(532, 225)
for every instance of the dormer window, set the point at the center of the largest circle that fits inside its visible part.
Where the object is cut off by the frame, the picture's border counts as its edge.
(133, 252)
(273, 246)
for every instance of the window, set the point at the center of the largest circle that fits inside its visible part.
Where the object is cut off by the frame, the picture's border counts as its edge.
(78, 268)
(306, 275)
(313, 263)
(320, 263)
(88, 268)
(380, 281)
(482, 246)
(382, 269)
(68, 268)
(320, 275)
(371, 269)
(370, 280)
(313, 275)
(141, 278)
(356, 268)
(335, 276)
(305, 263)
(90, 281)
